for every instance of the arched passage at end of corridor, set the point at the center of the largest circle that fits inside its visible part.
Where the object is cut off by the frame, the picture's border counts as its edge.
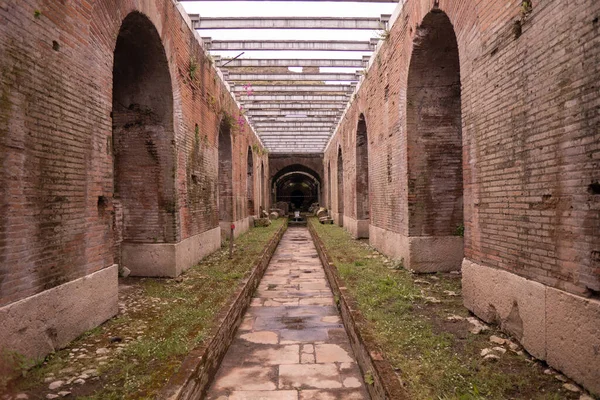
(340, 188)
(297, 186)
(363, 209)
(434, 129)
(142, 112)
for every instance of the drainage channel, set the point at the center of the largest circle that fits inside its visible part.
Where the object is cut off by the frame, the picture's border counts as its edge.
(292, 344)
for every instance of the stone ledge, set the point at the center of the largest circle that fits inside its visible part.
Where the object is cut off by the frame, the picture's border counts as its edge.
(359, 229)
(199, 368)
(169, 259)
(47, 321)
(422, 254)
(561, 328)
(386, 384)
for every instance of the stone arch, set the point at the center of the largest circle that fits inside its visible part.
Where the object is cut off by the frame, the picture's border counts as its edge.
(363, 209)
(329, 203)
(434, 134)
(340, 187)
(262, 185)
(143, 133)
(225, 174)
(250, 181)
(297, 185)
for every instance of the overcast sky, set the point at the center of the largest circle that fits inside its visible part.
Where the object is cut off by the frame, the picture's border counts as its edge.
(285, 9)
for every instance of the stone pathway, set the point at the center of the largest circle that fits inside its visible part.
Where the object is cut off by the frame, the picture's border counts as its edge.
(292, 344)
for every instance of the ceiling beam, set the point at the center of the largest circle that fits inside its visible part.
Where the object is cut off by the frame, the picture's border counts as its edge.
(331, 119)
(245, 77)
(295, 106)
(291, 97)
(305, 130)
(277, 45)
(341, 63)
(280, 87)
(362, 23)
(341, 1)
(277, 113)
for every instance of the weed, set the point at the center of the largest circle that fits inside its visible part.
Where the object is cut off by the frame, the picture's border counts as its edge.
(459, 230)
(369, 379)
(192, 69)
(37, 14)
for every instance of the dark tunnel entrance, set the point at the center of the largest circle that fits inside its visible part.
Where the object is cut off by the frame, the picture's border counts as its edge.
(298, 186)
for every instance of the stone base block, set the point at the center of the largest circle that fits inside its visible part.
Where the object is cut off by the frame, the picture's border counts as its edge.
(420, 253)
(338, 218)
(359, 229)
(169, 259)
(241, 226)
(45, 322)
(435, 253)
(551, 324)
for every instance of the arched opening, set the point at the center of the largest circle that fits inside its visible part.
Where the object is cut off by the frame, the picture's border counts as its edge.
(144, 186)
(298, 186)
(340, 188)
(262, 185)
(225, 174)
(435, 137)
(250, 182)
(363, 210)
(329, 183)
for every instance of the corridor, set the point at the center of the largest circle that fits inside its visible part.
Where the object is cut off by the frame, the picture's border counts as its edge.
(292, 344)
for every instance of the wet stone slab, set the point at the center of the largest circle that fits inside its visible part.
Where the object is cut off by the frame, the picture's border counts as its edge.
(291, 344)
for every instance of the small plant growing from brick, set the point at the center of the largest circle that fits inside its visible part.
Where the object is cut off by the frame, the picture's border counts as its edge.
(37, 14)
(192, 69)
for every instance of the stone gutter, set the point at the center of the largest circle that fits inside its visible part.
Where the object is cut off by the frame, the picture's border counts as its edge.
(385, 382)
(197, 371)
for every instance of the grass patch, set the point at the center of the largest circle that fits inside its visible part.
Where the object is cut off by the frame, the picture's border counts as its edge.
(165, 319)
(435, 358)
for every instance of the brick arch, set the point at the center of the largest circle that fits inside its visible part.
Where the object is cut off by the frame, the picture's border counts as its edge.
(144, 187)
(329, 203)
(363, 210)
(250, 181)
(225, 173)
(340, 187)
(434, 130)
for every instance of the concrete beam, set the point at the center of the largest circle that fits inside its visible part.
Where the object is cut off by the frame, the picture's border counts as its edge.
(277, 113)
(244, 77)
(257, 89)
(287, 23)
(341, 1)
(305, 130)
(259, 120)
(295, 106)
(260, 125)
(291, 97)
(296, 45)
(343, 63)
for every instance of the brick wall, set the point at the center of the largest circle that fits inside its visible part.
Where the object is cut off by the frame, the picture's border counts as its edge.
(57, 188)
(530, 141)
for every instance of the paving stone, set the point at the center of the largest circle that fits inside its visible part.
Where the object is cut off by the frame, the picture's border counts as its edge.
(331, 353)
(262, 337)
(264, 395)
(246, 378)
(319, 376)
(333, 395)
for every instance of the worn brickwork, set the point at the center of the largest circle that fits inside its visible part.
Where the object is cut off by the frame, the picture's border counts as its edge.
(530, 141)
(60, 196)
